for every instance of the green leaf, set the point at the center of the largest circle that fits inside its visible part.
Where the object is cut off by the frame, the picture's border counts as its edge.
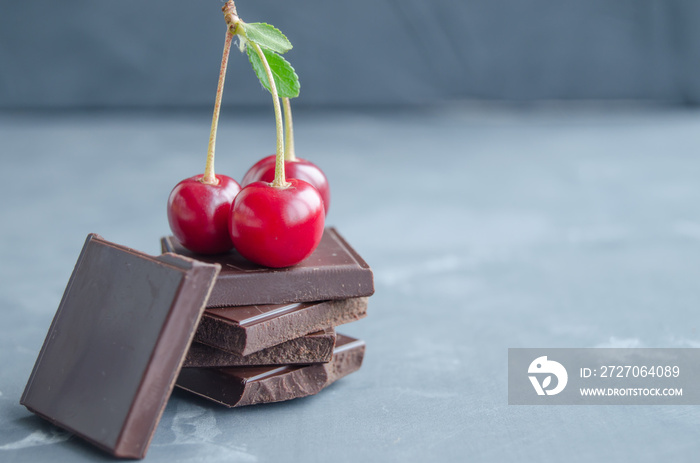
(267, 36)
(286, 79)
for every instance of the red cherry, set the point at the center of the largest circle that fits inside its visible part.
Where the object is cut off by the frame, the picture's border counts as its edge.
(277, 227)
(198, 213)
(264, 170)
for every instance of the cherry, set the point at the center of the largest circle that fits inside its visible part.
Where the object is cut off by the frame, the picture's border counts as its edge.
(264, 170)
(199, 207)
(277, 227)
(275, 224)
(198, 213)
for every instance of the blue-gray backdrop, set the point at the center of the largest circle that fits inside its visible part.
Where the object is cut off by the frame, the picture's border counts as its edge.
(158, 53)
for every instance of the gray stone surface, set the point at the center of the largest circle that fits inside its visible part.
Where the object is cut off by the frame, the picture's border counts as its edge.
(486, 228)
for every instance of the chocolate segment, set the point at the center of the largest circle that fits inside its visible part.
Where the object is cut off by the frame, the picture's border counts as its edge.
(247, 329)
(116, 343)
(239, 386)
(312, 348)
(333, 271)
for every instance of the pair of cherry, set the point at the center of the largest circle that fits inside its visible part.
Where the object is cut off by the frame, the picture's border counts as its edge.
(270, 221)
(269, 225)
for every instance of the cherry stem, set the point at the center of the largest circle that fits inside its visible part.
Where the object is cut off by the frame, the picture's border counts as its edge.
(289, 154)
(280, 181)
(209, 175)
(231, 16)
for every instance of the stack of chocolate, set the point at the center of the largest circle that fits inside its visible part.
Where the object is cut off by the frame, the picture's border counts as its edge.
(269, 334)
(123, 335)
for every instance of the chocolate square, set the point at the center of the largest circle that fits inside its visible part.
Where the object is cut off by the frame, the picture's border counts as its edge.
(239, 386)
(116, 344)
(244, 330)
(333, 271)
(312, 348)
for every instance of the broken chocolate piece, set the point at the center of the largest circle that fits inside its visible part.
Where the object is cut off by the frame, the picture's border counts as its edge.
(239, 386)
(333, 271)
(115, 346)
(313, 348)
(247, 329)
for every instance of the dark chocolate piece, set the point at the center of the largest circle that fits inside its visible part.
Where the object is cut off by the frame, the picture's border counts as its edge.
(115, 346)
(333, 271)
(313, 348)
(239, 386)
(247, 329)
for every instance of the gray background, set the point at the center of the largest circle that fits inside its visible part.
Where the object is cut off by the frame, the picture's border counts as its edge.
(157, 53)
(488, 225)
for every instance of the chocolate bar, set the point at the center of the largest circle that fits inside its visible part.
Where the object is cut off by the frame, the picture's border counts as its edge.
(239, 386)
(115, 346)
(247, 329)
(333, 271)
(313, 348)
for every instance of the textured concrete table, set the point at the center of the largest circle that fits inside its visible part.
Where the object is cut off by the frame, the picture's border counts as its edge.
(486, 229)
